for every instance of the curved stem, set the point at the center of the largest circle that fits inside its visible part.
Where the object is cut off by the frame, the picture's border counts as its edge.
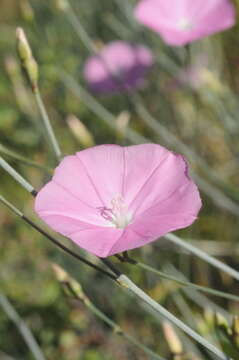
(76, 290)
(22, 327)
(189, 284)
(9, 169)
(24, 160)
(195, 296)
(171, 237)
(53, 240)
(204, 256)
(96, 107)
(79, 29)
(124, 281)
(47, 124)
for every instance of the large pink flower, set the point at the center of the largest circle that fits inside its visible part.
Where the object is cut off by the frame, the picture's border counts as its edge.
(119, 66)
(182, 21)
(109, 198)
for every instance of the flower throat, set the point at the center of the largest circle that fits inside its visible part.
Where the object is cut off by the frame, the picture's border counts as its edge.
(118, 215)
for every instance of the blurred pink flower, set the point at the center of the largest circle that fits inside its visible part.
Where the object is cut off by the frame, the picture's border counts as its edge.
(118, 66)
(193, 74)
(109, 199)
(182, 21)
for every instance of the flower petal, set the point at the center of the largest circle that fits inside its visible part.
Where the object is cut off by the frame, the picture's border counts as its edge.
(152, 181)
(97, 241)
(168, 176)
(73, 176)
(141, 161)
(178, 211)
(130, 239)
(118, 66)
(55, 200)
(104, 166)
(204, 18)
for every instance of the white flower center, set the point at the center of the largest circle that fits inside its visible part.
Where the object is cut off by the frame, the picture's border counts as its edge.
(118, 215)
(185, 24)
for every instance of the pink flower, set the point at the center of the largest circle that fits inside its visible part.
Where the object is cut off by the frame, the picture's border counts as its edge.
(109, 199)
(193, 75)
(118, 66)
(182, 21)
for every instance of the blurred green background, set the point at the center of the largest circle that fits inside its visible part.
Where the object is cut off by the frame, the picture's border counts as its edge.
(192, 92)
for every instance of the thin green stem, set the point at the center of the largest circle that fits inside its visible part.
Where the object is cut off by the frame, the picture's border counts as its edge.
(188, 343)
(74, 288)
(98, 109)
(204, 256)
(116, 328)
(218, 197)
(5, 356)
(116, 26)
(79, 29)
(189, 284)
(12, 154)
(9, 169)
(10, 206)
(22, 327)
(47, 124)
(184, 308)
(124, 281)
(200, 299)
(171, 237)
(52, 239)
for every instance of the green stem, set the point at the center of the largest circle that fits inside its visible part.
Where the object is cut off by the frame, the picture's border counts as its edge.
(24, 160)
(124, 281)
(25, 184)
(5, 356)
(22, 327)
(118, 330)
(76, 290)
(204, 256)
(171, 237)
(189, 284)
(214, 192)
(18, 212)
(200, 299)
(10, 206)
(79, 29)
(47, 124)
(98, 109)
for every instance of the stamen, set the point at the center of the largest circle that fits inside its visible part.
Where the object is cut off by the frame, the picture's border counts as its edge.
(106, 213)
(118, 215)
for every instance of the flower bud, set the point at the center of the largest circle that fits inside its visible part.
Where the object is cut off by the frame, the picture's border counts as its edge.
(235, 330)
(73, 285)
(222, 324)
(80, 131)
(28, 62)
(173, 341)
(26, 10)
(62, 5)
(61, 275)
